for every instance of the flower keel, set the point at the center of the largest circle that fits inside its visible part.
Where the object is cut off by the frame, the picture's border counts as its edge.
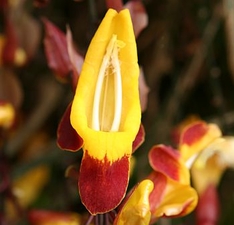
(102, 185)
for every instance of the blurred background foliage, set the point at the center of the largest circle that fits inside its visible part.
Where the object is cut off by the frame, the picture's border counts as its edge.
(187, 55)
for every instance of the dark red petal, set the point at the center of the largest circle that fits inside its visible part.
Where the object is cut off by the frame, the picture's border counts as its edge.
(193, 133)
(67, 138)
(207, 210)
(114, 4)
(103, 185)
(3, 5)
(138, 15)
(55, 44)
(165, 159)
(40, 217)
(139, 139)
(75, 58)
(11, 45)
(40, 3)
(160, 183)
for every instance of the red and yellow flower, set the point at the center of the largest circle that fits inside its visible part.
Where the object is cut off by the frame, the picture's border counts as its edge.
(165, 192)
(208, 154)
(106, 112)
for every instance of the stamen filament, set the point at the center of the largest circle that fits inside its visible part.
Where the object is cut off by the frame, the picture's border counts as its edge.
(118, 90)
(104, 102)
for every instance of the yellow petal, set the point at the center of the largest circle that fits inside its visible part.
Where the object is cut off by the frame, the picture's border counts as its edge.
(204, 176)
(223, 147)
(212, 162)
(178, 200)
(27, 188)
(136, 210)
(170, 198)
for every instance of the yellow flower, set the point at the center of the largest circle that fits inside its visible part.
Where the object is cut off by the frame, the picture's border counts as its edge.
(106, 112)
(7, 114)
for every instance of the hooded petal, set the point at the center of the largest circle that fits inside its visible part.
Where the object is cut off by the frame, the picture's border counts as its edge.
(83, 104)
(136, 210)
(107, 119)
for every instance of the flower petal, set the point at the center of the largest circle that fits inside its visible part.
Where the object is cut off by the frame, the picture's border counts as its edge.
(196, 137)
(223, 147)
(44, 217)
(56, 50)
(208, 203)
(7, 114)
(178, 129)
(102, 184)
(179, 202)
(114, 4)
(160, 183)
(172, 198)
(67, 138)
(12, 53)
(144, 90)
(212, 162)
(138, 14)
(139, 139)
(82, 106)
(136, 210)
(76, 59)
(167, 160)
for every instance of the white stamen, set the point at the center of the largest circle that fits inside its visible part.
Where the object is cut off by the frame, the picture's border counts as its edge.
(109, 59)
(104, 104)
